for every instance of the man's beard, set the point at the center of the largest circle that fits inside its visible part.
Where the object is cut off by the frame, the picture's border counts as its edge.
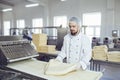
(74, 33)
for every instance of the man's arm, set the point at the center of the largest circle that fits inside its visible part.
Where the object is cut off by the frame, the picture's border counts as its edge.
(62, 53)
(86, 53)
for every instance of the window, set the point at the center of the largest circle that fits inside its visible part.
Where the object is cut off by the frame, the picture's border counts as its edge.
(37, 22)
(97, 31)
(6, 27)
(92, 19)
(93, 23)
(90, 32)
(20, 23)
(60, 21)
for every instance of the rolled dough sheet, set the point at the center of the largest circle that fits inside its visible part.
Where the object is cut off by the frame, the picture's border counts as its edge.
(55, 67)
(36, 68)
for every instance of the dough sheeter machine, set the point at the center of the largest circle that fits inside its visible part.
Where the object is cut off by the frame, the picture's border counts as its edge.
(18, 62)
(13, 49)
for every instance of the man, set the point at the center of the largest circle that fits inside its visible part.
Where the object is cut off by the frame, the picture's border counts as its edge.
(76, 46)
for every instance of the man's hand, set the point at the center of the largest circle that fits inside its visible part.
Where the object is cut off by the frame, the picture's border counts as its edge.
(57, 60)
(78, 66)
(54, 60)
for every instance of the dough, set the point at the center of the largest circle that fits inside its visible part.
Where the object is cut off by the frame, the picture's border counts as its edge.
(36, 68)
(55, 67)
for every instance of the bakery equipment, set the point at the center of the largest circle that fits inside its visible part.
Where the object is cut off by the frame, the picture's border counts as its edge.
(16, 50)
(17, 58)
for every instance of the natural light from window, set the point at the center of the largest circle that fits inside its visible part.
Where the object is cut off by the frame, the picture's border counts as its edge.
(37, 22)
(21, 23)
(6, 27)
(93, 23)
(60, 21)
(92, 19)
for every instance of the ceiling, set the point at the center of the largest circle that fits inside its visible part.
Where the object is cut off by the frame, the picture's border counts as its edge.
(11, 3)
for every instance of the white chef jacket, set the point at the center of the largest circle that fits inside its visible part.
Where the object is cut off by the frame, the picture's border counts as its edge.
(76, 49)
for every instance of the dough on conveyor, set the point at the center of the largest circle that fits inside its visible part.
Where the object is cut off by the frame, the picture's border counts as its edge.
(55, 67)
(36, 68)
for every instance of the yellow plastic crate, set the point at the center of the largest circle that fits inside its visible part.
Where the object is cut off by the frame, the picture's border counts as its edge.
(39, 39)
(46, 48)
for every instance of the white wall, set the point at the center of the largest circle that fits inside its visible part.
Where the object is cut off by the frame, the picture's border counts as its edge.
(58, 8)
(0, 22)
(7, 16)
(110, 10)
(117, 14)
(75, 7)
(21, 12)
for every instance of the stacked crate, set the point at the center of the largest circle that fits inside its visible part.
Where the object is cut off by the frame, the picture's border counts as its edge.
(100, 52)
(47, 48)
(114, 56)
(40, 41)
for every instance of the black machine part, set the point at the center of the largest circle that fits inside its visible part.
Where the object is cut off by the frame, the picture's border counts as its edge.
(61, 33)
(3, 59)
(8, 74)
(10, 38)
